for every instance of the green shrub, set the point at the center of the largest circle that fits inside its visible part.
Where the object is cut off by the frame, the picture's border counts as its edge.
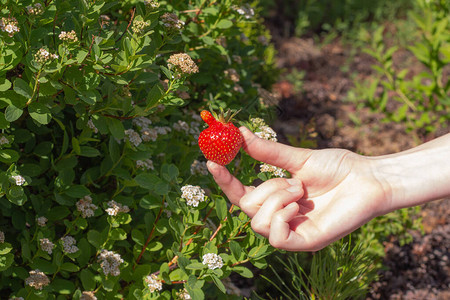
(421, 97)
(99, 118)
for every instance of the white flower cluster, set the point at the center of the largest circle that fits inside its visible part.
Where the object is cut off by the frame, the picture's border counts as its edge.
(151, 3)
(2, 237)
(142, 122)
(232, 74)
(42, 56)
(69, 244)
(114, 208)
(85, 206)
(19, 179)
(263, 131)
(139, 26)
(16, 298)
(146, 164)
(183, 295)
(91, 125)
(70, 36)
(278, 172)
(46, 245)
(37, 279)
(182, 62)
(35, 9)
(88, 295)
(9, 25)
(110, 262)
(245, 10)
(133, 137)
(193, 195)
(153, 283)
(171, 21)
(181, 126)
(199, 168)
(213, 261)
(41, 221)
(4, 140)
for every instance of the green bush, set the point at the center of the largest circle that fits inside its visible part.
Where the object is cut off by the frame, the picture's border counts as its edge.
(417, 97)
(103, 188)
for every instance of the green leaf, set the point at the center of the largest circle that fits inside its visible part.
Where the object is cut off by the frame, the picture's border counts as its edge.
(114, 150)
(116, 128)
(95, 238)
(236, 250)
(196, 266)
(70, 267)
(243, 271)
(218, 283)
(77, 191)
(224, 24)
(221, 207)
(154, 96)
(12, 113)
(88, 151)
(169, 172)
(6, 261)
(118, 234)
(5, 84)
(147, 181)
(63, 286)
(40, 113)
(3, 122)
(8, 156)
(5, 248)
(22, 88)
(87, 280)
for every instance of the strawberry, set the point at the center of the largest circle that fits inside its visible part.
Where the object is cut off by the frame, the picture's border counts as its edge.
(221, 141)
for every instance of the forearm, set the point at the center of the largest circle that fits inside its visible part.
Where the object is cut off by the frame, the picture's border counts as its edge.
(415, 176)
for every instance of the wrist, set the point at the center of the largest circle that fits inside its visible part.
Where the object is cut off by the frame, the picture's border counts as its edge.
(415, 176)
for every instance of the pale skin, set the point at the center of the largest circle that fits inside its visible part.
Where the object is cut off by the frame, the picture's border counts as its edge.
(332, 192)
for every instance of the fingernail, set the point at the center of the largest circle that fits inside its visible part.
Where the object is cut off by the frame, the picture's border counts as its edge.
(211, 165)
(294, 189)
(293, 181)
(291, 206)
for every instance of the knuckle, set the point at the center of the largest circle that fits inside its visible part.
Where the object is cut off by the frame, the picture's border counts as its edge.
(258, 226)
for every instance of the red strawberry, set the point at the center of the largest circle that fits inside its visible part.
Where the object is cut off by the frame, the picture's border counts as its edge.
(221, 141)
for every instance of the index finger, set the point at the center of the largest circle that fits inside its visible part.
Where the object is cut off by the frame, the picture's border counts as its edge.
(229, 184)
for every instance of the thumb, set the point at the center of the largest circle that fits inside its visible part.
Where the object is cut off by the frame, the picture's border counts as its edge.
(273, 153)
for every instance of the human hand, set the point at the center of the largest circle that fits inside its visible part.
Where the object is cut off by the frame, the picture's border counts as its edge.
(331, 193)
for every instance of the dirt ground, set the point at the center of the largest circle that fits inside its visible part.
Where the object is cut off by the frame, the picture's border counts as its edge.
(315, 113)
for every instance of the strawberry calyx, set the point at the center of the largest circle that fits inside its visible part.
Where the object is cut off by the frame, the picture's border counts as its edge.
(223, 117)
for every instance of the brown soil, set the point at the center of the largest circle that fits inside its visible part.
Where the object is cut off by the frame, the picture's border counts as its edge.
(318, 115)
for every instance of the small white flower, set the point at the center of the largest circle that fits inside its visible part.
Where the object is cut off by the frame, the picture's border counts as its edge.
(193, 195)
(183, 294)
(153, 283)
(41, 221)
(149, 134)
(278, 172)
(37, 279)
(133, 137)
(91, 125)
(4, 140)
(213, 261)
(114, 208)
(266, 133)
(88, 295)
(46, 245)
(181, 126)
(145, 164)
(86, 207)
(199, 168)
(19, 179)
(110, 262)
(69, 244)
